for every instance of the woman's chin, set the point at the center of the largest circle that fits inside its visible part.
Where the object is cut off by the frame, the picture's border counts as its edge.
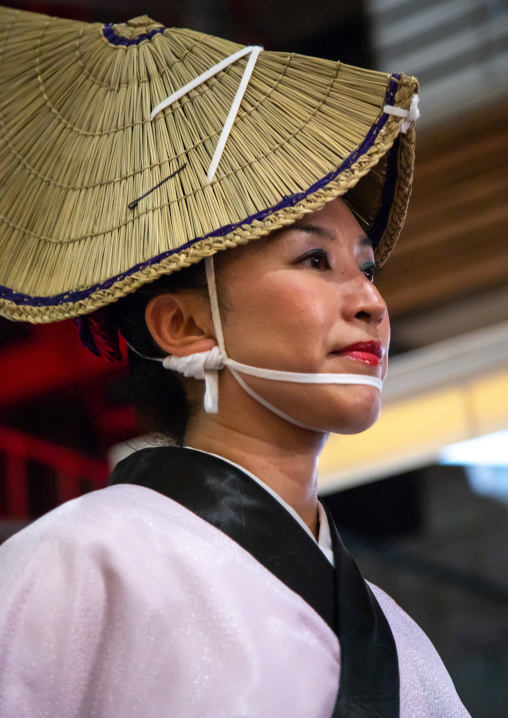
(362, 410)
(338, 409)
(347, 420)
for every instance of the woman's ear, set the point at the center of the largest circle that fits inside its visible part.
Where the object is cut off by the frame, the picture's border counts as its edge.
(181, 324)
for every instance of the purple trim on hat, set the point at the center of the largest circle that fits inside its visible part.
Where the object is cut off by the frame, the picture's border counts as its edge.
(289, 201)
(388, 195)
(115, 39)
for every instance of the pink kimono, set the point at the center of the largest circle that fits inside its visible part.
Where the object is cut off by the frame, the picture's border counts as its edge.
(125, 604)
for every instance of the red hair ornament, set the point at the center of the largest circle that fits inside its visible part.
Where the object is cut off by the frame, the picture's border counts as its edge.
(99, 333)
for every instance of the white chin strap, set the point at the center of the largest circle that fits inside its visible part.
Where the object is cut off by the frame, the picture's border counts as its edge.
(206, 365)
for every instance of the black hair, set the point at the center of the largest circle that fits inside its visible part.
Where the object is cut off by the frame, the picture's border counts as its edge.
(164, 400)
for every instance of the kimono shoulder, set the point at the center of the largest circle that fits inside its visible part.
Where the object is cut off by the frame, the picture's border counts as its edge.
(124, 603)
(426, 688)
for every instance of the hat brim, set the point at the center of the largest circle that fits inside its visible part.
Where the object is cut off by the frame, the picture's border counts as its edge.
(79, 146)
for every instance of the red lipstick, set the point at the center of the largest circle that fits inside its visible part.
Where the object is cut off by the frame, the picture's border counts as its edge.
(368, 352)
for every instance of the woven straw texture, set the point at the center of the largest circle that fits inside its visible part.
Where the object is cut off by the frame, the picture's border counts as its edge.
(77, 146)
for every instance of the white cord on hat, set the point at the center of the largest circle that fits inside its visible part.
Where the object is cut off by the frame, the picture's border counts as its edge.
(205, 365)
(253, 51)
(410, 115)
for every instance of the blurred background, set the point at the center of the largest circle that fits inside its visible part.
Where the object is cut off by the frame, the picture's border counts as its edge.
(422, 497)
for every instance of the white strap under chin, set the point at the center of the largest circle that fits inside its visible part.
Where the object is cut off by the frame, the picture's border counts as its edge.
(211, 362)
(409, 116)
(253, 51)
(206, 366)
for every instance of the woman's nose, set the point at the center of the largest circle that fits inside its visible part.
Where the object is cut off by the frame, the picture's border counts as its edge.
(367, 303)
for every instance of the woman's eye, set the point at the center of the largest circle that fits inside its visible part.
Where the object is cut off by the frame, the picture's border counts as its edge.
(317, 259)
(371, 271)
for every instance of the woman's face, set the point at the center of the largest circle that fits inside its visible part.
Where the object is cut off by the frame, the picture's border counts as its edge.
(296, 301)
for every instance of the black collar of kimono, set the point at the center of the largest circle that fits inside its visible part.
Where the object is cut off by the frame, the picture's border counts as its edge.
(230, 500)
(227, 498)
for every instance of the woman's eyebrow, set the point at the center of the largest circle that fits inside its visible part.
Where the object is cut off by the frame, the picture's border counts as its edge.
(318, 230)
(365, 241)
(314, 229)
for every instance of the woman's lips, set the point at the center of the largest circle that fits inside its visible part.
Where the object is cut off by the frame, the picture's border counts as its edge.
(368, 352)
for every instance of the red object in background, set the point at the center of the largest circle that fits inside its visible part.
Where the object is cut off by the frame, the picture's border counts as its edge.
(52, 358)
(69, 466)
(52, 386)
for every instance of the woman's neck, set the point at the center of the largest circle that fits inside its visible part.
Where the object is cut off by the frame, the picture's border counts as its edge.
(285, 460)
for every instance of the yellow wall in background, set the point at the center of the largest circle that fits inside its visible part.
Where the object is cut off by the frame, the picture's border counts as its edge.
(411, 433)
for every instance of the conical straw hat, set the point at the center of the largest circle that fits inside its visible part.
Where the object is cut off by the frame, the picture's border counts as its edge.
(98, 198)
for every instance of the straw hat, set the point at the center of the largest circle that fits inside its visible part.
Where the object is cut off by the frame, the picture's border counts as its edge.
(102, 191)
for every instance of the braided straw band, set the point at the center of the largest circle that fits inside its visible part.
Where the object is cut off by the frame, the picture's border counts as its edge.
(123, 198)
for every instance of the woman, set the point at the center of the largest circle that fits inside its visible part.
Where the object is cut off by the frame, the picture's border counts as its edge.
(206, 580)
